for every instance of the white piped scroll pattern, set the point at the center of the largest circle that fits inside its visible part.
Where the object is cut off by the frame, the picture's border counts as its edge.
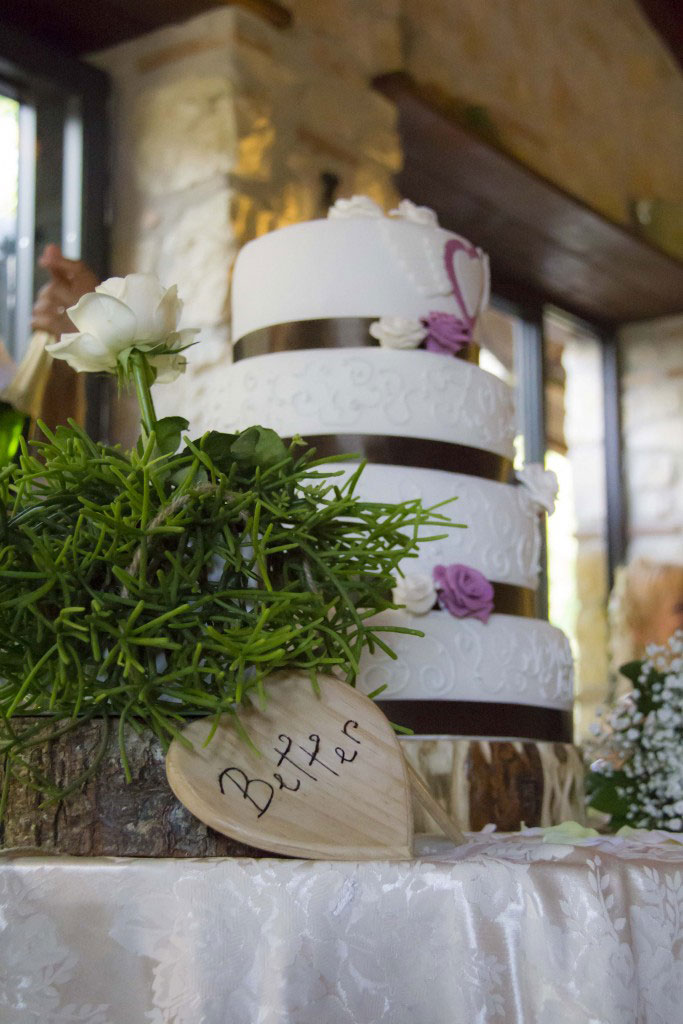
(509, 660)
(374, 391)
(501, 538)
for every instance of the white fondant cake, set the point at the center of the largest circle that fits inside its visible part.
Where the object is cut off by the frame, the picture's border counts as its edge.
(507, 660)
(430, 425)
(364, 391)
(354, 266)
(500, 537)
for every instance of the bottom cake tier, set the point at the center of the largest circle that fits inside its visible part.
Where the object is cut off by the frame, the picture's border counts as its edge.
(511, 677)
(509, 784)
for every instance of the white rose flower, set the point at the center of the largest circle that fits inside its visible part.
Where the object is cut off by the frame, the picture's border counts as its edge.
(356, 206)
(408, 210)
(122, 313)
(541, 485)
(398, 332)
(417, 592)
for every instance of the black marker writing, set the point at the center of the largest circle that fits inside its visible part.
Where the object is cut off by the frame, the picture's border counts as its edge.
(341, 754)
(246, 786)
(284, 756)
(350, 722)
(313, 755)
(283, 784)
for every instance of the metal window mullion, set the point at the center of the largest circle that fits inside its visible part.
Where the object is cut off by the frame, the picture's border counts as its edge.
(616, 499)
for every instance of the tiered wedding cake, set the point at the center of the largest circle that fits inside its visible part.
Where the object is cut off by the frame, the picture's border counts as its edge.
(356, 333)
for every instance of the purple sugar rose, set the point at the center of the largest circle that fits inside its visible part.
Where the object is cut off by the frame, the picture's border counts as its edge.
(446, 334)
(464, 592)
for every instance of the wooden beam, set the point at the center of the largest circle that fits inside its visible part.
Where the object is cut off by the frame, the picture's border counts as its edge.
(541, 240)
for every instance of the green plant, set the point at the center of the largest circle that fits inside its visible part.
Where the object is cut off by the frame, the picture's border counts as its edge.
(168, 581)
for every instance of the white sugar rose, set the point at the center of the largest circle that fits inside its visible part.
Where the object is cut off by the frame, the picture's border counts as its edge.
(398, 332)
(123, 313)
(541, 485)
(417, 592)
(356, 206)
(408, 210)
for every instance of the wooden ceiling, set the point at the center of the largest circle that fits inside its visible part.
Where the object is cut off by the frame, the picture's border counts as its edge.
(82, 26)
(543, 243)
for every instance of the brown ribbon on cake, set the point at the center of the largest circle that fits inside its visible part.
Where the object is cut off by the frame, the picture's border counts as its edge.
(509, 599)
(339, 332)
(391, 450)
(480, 718)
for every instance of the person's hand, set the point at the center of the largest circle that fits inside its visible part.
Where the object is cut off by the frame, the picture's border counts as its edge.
(69, 280)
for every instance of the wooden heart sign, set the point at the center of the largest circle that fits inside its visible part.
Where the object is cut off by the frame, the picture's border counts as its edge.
(329, 780)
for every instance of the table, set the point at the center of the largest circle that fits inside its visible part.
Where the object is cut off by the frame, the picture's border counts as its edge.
(505, 929)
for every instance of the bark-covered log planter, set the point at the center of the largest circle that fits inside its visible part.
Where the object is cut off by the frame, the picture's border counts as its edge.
(108, 816)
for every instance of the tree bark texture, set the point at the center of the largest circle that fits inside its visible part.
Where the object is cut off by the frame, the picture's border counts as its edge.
(476, 781)
(108, 816)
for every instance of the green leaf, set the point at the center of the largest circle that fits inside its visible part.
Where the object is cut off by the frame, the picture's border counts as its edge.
(168, 431)
(632, 671)
(259, 446)
(603, 794)
(217, 446)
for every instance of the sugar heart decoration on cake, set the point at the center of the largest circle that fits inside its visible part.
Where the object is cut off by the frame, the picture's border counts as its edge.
(467, 274)
(463, 591)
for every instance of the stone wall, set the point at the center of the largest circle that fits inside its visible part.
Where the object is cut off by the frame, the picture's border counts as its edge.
(652, 415)
(585, 93)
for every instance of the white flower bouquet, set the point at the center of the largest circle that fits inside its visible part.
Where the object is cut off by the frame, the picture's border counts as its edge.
(638, 778)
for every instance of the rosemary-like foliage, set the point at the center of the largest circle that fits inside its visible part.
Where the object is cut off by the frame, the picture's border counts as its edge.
(158, 584)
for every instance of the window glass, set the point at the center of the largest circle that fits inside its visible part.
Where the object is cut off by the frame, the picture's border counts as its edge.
(39, 137)
(577, 532)
(497, 335)
(9, 179)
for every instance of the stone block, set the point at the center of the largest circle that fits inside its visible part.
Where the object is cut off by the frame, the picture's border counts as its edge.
(185, 133)
(197, 252)
(638, 340)
(367, 33)
(663, 436)
(649, 509)
(654, 470)
(659, 402)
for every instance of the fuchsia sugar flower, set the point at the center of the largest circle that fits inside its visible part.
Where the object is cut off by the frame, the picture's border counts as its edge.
(464, 592)
(446, 334)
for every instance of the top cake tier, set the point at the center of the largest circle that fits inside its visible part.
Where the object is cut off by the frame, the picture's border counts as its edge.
(358, 263)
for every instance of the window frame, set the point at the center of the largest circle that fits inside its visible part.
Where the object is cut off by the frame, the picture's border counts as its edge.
(28, 64)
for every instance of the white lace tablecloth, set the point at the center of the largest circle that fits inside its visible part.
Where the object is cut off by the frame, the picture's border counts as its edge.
(505, 929)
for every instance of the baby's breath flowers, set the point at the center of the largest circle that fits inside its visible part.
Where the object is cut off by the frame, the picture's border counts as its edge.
(638, 779)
